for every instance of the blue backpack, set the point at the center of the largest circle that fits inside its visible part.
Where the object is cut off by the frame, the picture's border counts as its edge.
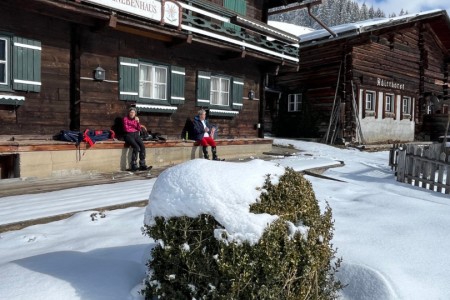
(70, 136)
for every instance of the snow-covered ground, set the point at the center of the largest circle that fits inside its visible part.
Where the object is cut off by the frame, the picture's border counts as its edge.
(394, 238)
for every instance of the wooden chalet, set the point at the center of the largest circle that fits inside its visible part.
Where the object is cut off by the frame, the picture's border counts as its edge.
(375, 81)
(79, 64)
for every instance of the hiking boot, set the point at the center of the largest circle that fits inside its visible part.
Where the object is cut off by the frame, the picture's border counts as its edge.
(144, 168)
(214, 153)
(205, 152)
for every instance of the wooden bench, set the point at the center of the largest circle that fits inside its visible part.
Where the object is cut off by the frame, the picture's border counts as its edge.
(49, 158)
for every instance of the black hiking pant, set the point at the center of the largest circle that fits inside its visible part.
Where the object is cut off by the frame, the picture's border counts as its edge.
(134, 139)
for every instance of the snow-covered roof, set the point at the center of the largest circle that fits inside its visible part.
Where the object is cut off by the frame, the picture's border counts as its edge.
(290, 28)
(357, 28)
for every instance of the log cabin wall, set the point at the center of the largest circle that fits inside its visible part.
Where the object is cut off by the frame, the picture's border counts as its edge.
(389, 65)
(48, 111)
(100, 104)
(70, 53)
(316, 80)
(412, 60)
(402, 64)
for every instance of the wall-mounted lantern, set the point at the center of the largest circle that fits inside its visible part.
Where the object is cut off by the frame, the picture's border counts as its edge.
(251, 95)
(99, 74)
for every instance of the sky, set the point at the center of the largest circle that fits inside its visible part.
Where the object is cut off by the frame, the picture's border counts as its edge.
(393, 237)
(412, 6)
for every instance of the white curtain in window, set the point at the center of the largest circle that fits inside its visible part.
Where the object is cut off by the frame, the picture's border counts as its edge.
(145, 84)
(215, 90)
(152, 82)
(160, 83)
(225, 91)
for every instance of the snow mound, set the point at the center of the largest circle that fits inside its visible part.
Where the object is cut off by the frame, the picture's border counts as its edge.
(364, 283)
(70, 275)
(224, 190)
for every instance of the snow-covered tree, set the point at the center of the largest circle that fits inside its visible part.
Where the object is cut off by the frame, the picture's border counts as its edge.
(333, 12)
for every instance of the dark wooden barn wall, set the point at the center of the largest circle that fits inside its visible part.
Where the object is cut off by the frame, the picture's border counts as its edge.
(398, 60)
(434, 66)
(403, 54)
(316, 80)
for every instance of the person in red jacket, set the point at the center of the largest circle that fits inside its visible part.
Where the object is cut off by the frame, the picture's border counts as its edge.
(132, 129)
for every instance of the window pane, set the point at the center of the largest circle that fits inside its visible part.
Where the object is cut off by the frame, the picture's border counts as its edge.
(214, 97)
(225, 85)
(160, 83)
(160, 91)
(161, 75)
(369, 101)
(388, 107)
(2, 50)
(406, 105)
(220, 91)
(224, 99)
(144, 89)
(145, 73)
(2, 73)
(225, 88)
(144, 81)
(214, 84)
(2, 61)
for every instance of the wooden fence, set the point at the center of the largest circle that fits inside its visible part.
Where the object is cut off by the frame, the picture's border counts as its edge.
(426, 166)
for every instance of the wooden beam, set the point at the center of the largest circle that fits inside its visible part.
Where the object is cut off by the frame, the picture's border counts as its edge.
(295, 7)
(113, 20)
(234, 55)
(144, 33)
(179, 41)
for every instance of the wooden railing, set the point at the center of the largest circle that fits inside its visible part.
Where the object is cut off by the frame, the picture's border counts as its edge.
(205, 18)
(426, 166)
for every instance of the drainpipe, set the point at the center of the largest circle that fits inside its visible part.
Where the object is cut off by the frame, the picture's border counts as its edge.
(320, 22)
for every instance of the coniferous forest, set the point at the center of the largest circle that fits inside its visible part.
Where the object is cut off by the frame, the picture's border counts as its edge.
(333, 12)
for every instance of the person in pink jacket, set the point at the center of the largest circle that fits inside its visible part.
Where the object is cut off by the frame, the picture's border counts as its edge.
(132, 129)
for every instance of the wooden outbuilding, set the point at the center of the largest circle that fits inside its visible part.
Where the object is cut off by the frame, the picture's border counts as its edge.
(80, 64)
(374, 81)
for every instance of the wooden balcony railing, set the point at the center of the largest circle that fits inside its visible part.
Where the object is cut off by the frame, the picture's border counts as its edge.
(213, 21)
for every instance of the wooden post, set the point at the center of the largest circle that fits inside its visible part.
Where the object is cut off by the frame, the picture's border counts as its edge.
(262, 104)
(75, 67)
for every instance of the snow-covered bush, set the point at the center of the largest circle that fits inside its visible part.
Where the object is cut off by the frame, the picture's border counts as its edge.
(278, 248)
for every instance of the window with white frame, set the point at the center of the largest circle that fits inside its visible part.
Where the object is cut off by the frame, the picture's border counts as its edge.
(152, 81)
(3, 61)
(25, 73)
(370, 101)
(406, 105)
(389, 103)
(294, 102)
(220, 91)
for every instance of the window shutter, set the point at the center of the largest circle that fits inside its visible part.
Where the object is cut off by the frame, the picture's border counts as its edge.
(241, 7)
(26, 63)
(238, 92)
(230, 4)
(177, 80)
(203, 88)
(129, 79)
